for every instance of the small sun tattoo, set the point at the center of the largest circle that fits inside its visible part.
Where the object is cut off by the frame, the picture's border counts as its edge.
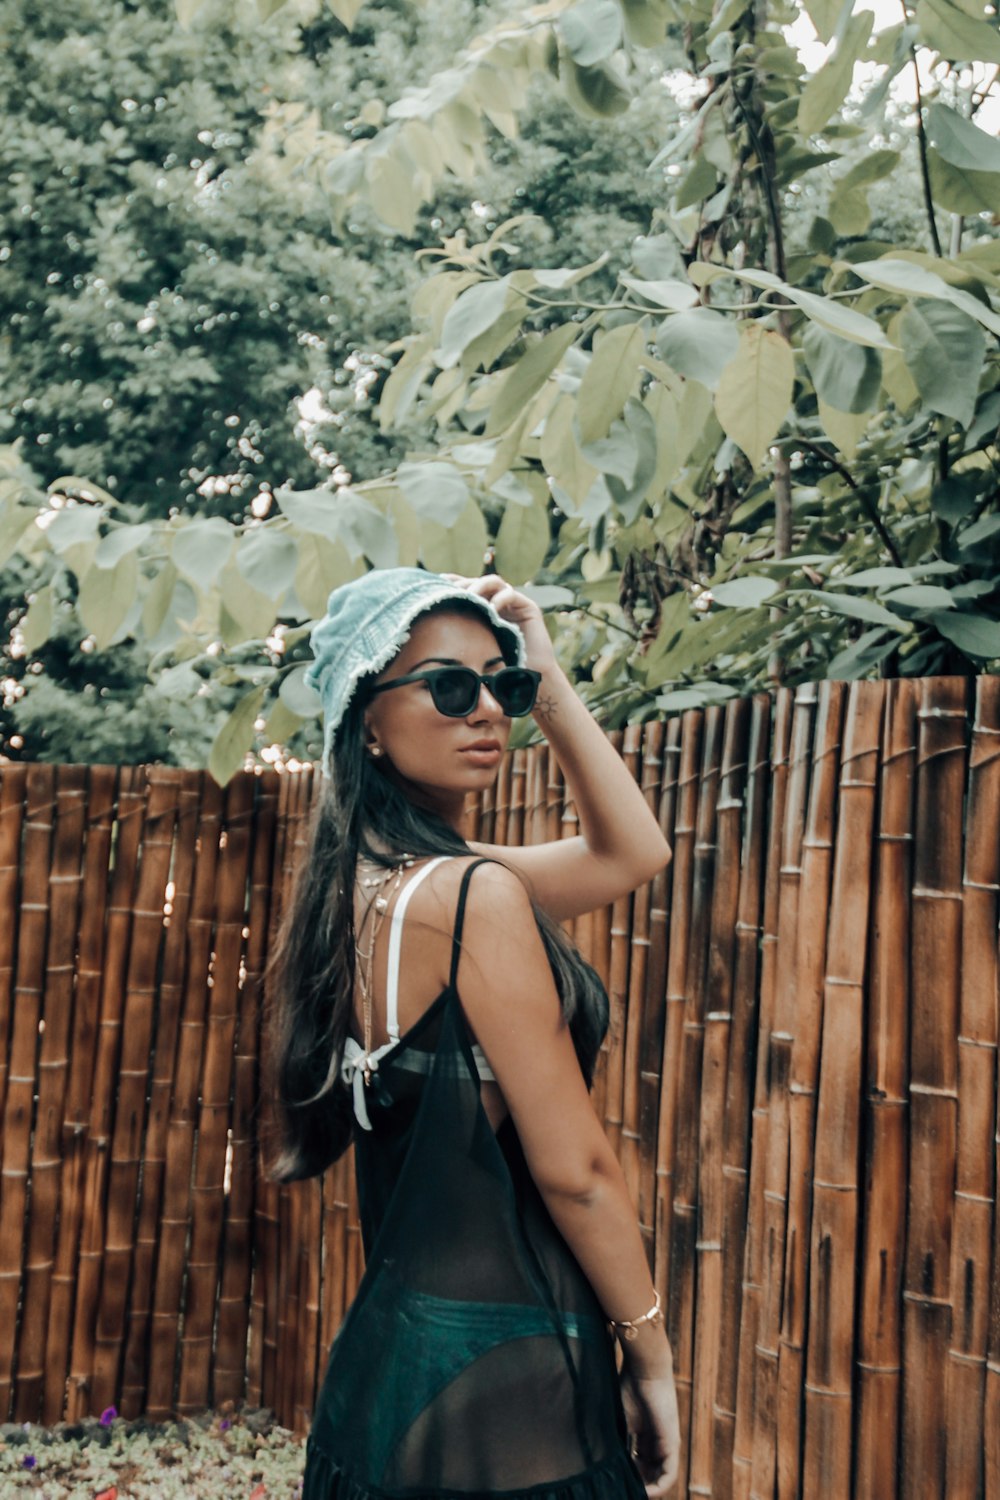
(545, 708)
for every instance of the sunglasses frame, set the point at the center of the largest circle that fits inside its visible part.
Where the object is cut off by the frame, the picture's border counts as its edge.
(431, 675)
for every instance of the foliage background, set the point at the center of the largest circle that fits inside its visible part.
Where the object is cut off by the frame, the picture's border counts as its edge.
(702, 348)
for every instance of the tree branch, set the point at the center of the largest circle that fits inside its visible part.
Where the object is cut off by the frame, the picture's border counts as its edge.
(867, 504)
(925, 176)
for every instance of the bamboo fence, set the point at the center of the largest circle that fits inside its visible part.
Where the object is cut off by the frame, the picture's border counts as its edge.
(800, 1078)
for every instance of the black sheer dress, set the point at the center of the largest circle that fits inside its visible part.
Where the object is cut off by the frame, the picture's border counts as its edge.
(475, 1359)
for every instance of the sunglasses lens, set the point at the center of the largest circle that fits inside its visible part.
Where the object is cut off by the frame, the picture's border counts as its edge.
(515, 691)
(455, 691)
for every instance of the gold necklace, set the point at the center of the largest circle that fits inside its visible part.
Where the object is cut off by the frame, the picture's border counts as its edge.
(379, 903)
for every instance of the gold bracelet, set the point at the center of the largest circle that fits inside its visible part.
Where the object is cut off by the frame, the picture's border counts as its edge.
(629, 1328)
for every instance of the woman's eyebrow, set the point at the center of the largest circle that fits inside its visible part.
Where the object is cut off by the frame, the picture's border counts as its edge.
(451, 661)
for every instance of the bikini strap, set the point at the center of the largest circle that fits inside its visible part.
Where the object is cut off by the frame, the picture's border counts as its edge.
(395, 946)
(456, 937)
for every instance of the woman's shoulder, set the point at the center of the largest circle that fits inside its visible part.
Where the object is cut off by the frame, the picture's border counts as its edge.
(492, 887)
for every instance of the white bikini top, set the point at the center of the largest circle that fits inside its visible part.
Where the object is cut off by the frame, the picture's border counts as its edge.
(355, 1059)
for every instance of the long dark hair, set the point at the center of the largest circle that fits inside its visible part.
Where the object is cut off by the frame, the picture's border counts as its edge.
(361, 811)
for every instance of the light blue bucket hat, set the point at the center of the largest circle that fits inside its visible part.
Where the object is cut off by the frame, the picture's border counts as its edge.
(367, 622)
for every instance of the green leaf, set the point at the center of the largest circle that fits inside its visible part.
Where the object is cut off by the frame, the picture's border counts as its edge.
(874, 578)
(826, 90)
(861, 656)
(944, 351)
(698, 344)
(981, 531)
(392, 191)
(315, 511)
(322, 566)
(201, 549)
(476, 310)
(36, 624)
(267, 559)
(560, 453)
(954, 497)
(846, 375)
(106, 595)
(249, 609)
(159, 596)
(755, 390)
(609, 379)
(960, 190)
(458, 548)
(235, 738)
(434, 490)
(366, 530)
(600, 92)
(346, 11)
(296, 694)
(961, 142)
(957, 35)
(920, 596)
(120, 540)
(744, 593)
(646, 21)
(522, 542)
(675, 294)
(848, 204)
(14, 522)
(845, 321)
(71, 526)
(824, 14)
(917, 281)
(856, 609)
(976, 635)
(525, 379)
(591, 30)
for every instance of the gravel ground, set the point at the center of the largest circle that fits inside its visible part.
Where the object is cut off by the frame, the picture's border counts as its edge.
(227, 1455)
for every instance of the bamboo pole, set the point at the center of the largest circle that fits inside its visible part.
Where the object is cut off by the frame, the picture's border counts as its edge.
(125, 843)
(172, 1253)
(968, 1425)
(738, 1091)
(229, 1370)
(613, 1080)
(136, 1036)
(765, 1458)
(686, 1208)
(834, 1231)
(184, 789)
(99, 805)
(684, 794)
(936, 937)
(717, 1012)
(308, 1331)
(514, 833)
(886, 1116)
(13, 780)
(635, 932)
(804, 1018)
(55, 1026)
(209, 1186)
(22, 1080)
(651, 1001)
(755, 1260)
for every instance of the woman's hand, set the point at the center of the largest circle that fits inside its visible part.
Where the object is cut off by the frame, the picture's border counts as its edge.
(653, 1421)
(519, 610)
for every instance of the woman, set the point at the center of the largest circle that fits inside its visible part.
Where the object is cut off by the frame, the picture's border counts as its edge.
(430, 977)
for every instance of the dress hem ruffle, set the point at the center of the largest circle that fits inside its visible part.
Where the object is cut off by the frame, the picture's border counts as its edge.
(615, 1479)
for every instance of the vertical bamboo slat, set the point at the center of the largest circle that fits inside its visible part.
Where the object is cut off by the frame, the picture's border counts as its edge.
(975, 1180)
(834, 1230)
(663, 747)
(717, 1027)
(738, 1093)
(126, 836)
(101, 784)
(12, 796)
(756, 1249)
(885, 1119)
(172, 1253)
(53, 1070)
(935, 976)
(804, 1018)
(22, 1079)
(186, 793)
(635, 931)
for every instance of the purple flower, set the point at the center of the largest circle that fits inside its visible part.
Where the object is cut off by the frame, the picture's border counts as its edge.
(225, 1424)
(108, 1416)
(28, 1461)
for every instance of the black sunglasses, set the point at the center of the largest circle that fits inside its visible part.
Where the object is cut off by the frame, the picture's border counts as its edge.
(455, 690)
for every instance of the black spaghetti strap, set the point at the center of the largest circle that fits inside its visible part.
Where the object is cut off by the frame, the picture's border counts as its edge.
(456, 936)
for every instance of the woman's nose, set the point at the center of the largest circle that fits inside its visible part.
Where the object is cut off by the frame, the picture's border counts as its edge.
(486, 706)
